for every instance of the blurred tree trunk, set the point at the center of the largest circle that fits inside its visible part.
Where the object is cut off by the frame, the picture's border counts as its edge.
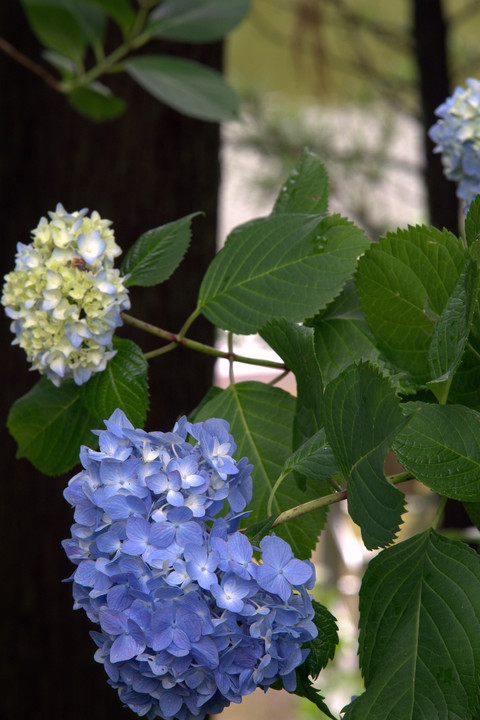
(431, 51)
(147, 168)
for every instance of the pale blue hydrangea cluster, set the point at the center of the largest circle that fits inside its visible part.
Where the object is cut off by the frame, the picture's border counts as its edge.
(65, 297)
(457, 137)
(189, 620)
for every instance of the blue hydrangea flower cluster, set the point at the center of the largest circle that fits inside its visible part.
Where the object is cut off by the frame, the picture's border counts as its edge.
(190, 620)
(457, 137)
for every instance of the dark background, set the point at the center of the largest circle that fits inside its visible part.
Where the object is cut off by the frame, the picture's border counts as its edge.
(147, 168)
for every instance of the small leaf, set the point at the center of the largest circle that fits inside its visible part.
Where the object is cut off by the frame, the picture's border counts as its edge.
(123, 384)
(96, 102)
(306, 689)
(196, 20)
(440, 445)
(294, 344)
(453, 326)
(472, 222)
(49, 425)
(314, 458)
(287, 266)
(258, 530)
(57, 27)
(473, 510)
(404, 282)
(420, 632)
(362, 416)
(64, 65)
(189, 87)
(157, 253)
(306, 188)
(342, 335)
(120, 10)
(322, 648)
(261, 419)
(465, 387)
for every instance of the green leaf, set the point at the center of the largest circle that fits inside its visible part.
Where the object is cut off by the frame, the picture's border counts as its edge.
(211, 393)
(189, 87)
(282, 266)
(342, 335)
(465, 387)
(441, 447)
(294, 344)
(314, 458)
(196, 20)
(453, 327)
(473, 510)
(57, 27)
(64, 65)
(123, 384)
(472, 222)
(404, 282)
(420, 632)
(306, 188)
(49, 425)
(258, 530)
(306, 689)
(322, 648)
(157, 253)
(261, 419)
(362, 416)
(96, 102)
(120, 10)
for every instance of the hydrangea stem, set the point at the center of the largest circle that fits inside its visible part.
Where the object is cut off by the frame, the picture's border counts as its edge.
(176, 340)
(31, 65)
(335, 497)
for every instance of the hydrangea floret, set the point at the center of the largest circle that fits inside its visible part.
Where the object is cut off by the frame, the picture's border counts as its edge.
(457, 137)
(191, 616)
(65, 297)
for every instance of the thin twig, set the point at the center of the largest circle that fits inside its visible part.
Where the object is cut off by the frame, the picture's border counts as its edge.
(31, 65)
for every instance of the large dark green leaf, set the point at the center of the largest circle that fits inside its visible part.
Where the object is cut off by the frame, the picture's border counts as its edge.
(261, 419)
(189, 87)
(49, 425)
(157, 253)
(420, 632)
(440, 445)
(123, 384)
(287, 266)
(404, 282)
(196, 20)
(306, 188)
(362, 416)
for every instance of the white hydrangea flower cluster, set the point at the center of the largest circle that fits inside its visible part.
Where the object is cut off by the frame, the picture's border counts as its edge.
(65, 297)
